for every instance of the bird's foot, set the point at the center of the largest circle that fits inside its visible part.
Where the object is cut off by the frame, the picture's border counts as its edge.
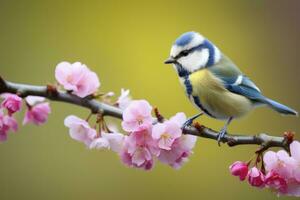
(190, 120)
(221, 135)
(223, 132)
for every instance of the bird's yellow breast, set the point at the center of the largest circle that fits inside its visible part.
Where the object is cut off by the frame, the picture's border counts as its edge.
(214, 97)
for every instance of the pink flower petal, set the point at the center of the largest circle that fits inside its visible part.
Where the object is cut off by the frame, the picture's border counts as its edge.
(80, 130)
(115, 140)
(270, 160)
(11, 102)
(37, 114)
(32, 100)
(179, 118)
(137, 116)
(295, 150)
(157, 130)
(99, 143)
(77, 78)
(240, 169)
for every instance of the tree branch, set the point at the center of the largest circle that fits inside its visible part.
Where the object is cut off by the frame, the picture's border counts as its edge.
(49, 92)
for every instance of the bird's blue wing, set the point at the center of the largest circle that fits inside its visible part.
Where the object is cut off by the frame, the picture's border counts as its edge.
(235, 81)
(242, 85)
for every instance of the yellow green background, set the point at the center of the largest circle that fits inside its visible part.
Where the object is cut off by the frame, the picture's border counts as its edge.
(126, 42)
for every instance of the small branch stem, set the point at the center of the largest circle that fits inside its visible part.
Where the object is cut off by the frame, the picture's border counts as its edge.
(265, 141)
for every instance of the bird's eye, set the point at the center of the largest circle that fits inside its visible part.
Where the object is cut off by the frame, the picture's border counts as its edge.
(185, 53)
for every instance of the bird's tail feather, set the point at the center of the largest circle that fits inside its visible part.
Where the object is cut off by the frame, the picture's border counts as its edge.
(280, 107)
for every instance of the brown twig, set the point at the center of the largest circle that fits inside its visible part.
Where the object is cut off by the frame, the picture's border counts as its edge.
(50, 92)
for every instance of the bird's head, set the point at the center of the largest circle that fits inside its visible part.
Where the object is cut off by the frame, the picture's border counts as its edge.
(191, 52)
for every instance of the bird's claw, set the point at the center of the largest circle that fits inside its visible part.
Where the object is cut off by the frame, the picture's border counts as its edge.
(190, 120)
(221, 135)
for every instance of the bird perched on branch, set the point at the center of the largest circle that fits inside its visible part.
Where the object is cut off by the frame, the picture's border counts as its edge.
(214, 84)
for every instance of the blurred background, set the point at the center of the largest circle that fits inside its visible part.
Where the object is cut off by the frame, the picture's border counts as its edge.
(126, 42)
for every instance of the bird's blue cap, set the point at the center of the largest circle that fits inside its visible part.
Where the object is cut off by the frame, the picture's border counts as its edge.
(185, 38)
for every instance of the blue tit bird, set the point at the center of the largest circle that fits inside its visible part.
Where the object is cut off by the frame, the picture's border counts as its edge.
(214, 84)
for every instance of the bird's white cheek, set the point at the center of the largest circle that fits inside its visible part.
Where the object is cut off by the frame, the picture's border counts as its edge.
(195, 60)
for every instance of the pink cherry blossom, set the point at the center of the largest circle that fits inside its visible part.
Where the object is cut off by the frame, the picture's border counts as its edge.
(139, 150)
(295, 152)
(80, 130)
(124, 99)
(7, 123)
(283, 170)
(178, 118)
(280, 163)
(11, 102)
(240, 169)
(180, 150)
(166, 133)
(113, 141)
(37, 114)
(77, 78)
(99, 143)
(140, 158)
(181, 147)
(275, 181)
(137, 116)
(256, 178)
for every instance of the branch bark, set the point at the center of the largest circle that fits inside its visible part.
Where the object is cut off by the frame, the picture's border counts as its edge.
(264, 140)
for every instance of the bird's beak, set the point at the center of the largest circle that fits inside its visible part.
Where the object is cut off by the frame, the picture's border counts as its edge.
(170, 61)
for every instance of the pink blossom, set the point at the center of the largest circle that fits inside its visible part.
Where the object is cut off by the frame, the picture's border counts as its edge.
(124, 99)
(7, 123)
(77, 78)
(32, 100)
(11, 102)
(113, 141)
(256, 178)
(240, 169)
(140, 158)
(166, 133)
(99, 143)
(179, 119)
(279, 162)
(137, 116)
(180, 150)
(181, 147)
(295, 152)
(139, 149)
(283, 170)
(37, 114)
(275, 181)
(80, 130)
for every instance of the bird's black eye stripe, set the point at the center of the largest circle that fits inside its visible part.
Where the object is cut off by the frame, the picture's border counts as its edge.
(183, 53)
(187, 51)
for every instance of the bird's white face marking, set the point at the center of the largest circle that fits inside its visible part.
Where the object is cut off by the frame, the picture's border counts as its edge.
(193, 52)
(195, 60)
(197, 40)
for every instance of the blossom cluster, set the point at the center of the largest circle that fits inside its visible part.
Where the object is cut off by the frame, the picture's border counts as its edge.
(76, 78)
(144, 140)
(37, 112)
(280, 172)
(163, 140)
